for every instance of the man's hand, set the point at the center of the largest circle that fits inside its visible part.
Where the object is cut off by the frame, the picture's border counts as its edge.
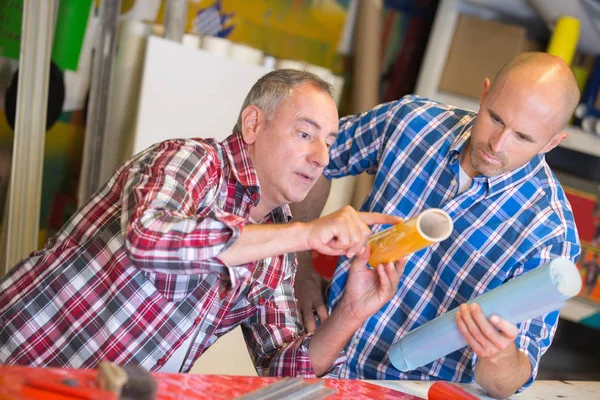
(309, 288)
(488, 338)
(367, 290)
(501, 368)
(344, 232)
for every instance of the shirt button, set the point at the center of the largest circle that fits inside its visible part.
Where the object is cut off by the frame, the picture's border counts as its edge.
(356, 341)
(254, 196)
(161, 362)
(453, 182)
(261, 302)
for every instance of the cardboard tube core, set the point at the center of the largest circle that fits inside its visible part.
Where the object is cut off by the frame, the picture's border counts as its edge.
(434, 225)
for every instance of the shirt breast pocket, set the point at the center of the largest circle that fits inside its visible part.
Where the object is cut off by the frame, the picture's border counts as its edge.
(176, 288)
(259, 294)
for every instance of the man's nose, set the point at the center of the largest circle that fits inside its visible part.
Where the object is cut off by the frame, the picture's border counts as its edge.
(498, 141)
(319, 155)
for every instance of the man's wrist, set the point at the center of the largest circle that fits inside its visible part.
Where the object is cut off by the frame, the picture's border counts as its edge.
(299, 234)
(510, 353)
(348, 313)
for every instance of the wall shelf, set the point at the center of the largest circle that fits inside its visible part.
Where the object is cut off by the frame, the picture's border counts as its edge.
(435, 59)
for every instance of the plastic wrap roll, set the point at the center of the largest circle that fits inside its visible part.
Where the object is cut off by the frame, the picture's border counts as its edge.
(247, 54)
(191, 40)
(531, 295)
(216, 45)
(448, 391)
(269, 62)
(581, 110)
(429, 227)
(157, 29)
(321, 72)
(338, 88)
(289, 64)
(588, 124)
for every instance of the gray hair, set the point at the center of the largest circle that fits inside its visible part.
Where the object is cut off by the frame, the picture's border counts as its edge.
(270, 90)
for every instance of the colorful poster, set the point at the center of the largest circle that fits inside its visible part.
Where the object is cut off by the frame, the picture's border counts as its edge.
(586, 210)
(62, 163)
(71, 21)
(11, 15)
(307, 30)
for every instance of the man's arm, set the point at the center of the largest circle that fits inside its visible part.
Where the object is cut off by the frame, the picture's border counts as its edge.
(168, 227)
(501, 368)
(274, 336)
(342, 232)
(508, 356)
(367, 290)
(309, 284)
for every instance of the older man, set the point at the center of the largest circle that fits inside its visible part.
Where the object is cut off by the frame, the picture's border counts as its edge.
(487, 170)
(188, 240)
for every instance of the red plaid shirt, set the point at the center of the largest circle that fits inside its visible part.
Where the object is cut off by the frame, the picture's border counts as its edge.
(136, 271)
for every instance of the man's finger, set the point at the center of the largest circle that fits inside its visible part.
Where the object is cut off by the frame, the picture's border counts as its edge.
(309, 321)
(400, 264)
(383, 270)
(322, 312)
(361, 258)
(507, 329)
(462, 327)
(356, 238)
(465, 312)
(371, 218)
(487, 329)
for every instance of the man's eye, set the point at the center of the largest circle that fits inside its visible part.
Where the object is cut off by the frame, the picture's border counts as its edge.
(304, 135)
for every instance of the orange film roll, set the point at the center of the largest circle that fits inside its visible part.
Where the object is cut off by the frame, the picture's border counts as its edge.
(448, 391)
(429, 227)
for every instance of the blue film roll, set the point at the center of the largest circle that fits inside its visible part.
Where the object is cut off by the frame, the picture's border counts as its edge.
(528, 296)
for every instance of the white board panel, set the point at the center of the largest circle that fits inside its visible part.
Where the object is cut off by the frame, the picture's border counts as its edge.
(189, 92)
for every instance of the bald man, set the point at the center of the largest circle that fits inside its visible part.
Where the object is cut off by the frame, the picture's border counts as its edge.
(487, 170)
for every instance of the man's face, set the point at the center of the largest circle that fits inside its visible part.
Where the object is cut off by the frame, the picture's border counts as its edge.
(514, 124)
(291, 150)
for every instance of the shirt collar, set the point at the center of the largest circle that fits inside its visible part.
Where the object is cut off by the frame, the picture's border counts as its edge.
(240, 161)
(244, 172)
(500, 183)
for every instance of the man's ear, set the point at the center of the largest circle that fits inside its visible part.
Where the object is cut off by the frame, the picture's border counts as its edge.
(252, 120)
(485, 91)
(559, 137)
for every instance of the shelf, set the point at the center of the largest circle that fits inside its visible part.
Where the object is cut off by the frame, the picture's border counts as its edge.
(435, 59)
(582, 311)
(581, 141)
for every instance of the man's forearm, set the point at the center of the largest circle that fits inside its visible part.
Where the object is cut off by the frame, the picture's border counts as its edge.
(330, 339)
(257, 242)
(503, 375)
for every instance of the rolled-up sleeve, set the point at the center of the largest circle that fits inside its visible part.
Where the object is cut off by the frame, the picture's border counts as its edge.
(169, 219)
(276, 339)
(362, 138)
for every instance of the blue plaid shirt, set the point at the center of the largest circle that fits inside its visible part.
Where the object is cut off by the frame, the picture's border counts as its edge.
(504, 226)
